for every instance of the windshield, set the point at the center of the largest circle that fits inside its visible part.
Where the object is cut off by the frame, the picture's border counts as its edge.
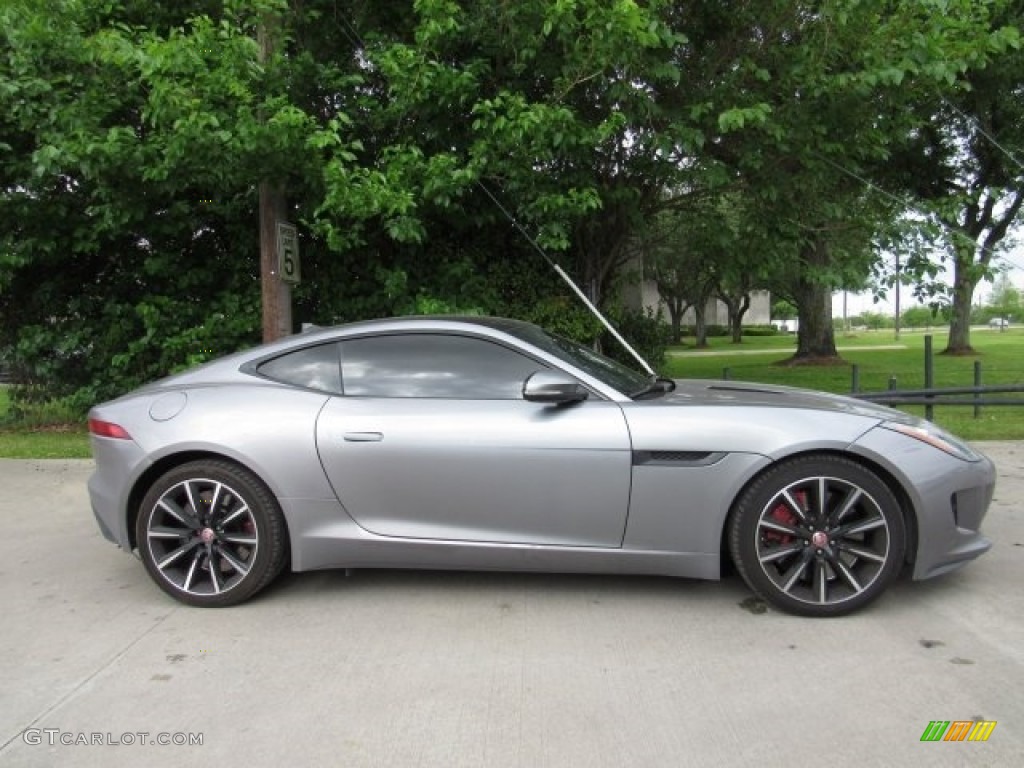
(608, 371)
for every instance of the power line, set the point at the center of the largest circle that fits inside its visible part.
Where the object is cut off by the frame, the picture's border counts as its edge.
(980, 129)
(907, 203)
(536, 246)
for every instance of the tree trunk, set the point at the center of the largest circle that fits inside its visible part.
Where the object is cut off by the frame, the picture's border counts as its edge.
(960, 316)
(970, 263)
(736, 313)
(700, 324)
(676, 310)
(816, 340)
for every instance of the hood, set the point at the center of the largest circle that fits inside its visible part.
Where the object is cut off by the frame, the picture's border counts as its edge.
(709, 392)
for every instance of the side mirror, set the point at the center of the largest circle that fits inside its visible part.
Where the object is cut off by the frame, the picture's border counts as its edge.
(553, 387)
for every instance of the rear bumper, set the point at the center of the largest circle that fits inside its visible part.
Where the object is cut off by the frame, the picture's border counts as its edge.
(118, 462)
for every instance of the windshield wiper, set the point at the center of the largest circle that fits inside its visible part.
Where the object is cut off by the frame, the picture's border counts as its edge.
(658, 387)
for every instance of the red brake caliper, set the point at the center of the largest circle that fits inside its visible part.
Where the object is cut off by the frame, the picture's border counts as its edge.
(783, 514)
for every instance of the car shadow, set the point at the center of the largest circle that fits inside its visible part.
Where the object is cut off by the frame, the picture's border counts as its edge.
(292, 585)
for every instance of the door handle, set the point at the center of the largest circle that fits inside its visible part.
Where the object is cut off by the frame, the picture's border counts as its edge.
(363, 437)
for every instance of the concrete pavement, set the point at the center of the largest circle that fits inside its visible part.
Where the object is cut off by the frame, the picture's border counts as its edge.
(388, 668)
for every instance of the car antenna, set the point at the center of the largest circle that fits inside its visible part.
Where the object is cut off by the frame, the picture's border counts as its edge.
(569, 281)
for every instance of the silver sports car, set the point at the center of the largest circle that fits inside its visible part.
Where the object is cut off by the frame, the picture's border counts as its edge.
(490, 444)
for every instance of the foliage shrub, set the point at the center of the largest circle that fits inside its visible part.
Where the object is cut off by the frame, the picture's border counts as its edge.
(646, 332)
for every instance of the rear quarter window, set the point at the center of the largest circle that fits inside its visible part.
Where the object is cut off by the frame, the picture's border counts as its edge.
(316, 368)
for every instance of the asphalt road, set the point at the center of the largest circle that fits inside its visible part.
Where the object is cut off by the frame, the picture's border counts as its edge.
(387, 668)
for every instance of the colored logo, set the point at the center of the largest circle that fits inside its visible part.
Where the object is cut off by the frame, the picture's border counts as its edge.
(958, 730)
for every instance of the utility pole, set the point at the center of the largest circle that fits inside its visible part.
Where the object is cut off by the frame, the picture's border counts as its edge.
(896, 319)
(276, 294)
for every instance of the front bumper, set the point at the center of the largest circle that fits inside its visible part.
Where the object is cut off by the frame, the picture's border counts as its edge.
(949, 497)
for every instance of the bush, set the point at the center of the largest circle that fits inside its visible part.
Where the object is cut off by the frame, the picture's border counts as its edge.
(761, 330)
(646, 333)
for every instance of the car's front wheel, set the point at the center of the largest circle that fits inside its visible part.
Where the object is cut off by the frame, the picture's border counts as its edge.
(818, 535)
(211, 534)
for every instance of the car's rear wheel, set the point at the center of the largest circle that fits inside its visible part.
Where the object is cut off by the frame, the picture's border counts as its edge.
(818, 536)
(211, 534)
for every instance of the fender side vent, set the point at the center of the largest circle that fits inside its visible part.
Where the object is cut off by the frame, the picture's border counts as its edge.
(676, 458)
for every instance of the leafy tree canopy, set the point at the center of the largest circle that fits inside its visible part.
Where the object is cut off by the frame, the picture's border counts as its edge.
(134, 135)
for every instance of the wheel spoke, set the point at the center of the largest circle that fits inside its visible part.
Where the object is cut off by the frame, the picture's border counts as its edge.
(841, 568)
(192, 500)
(192, 571)
(789, 530)
(177, 553)
(781, 552)
(240, 511)
(821, 582)
(822, 498)
(239, 538)
(861, 527)
(214, 567)
(796, 572)
(240, 567)
(176, 512)
(215, 499)
(862, 553)
(848, 503)
(164, 532)
(794, 506)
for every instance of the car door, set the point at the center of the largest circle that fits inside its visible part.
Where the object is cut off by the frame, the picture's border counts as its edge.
(432, 439)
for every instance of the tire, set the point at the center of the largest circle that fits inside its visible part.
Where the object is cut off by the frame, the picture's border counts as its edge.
(818, 536)
(211, 534)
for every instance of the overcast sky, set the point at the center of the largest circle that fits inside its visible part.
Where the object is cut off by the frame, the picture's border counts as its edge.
(857, 303)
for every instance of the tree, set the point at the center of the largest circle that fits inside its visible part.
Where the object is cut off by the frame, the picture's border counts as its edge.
(919, 317)
(1005, 300)
(135, 136)
(735, 294)
(826, 94)
(962, 161)
(685, 253)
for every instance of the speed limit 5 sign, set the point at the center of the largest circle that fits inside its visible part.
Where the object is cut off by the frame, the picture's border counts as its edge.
(288, 252)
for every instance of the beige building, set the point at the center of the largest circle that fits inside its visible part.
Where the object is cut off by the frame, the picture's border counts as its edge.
(644, 295)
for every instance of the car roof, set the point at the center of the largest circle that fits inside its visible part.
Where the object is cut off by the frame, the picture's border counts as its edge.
(404, 323)
(497, 323)
(227, 367)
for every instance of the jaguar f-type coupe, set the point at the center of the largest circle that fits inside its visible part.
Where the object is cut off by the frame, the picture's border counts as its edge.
(491, 444)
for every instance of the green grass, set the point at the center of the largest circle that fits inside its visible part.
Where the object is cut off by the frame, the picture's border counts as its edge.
(46, 433)
(1001, 356)
(44, 445)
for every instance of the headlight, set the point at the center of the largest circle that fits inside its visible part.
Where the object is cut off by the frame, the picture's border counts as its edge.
(935, 437)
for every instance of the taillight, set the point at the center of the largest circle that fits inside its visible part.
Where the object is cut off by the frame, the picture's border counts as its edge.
(108, 429)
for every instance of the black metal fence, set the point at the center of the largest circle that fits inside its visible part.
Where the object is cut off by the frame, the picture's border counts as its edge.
(975, 397)
(931, 396)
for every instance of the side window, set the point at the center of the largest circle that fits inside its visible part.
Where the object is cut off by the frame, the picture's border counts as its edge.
(313, 367)
(434, 365)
